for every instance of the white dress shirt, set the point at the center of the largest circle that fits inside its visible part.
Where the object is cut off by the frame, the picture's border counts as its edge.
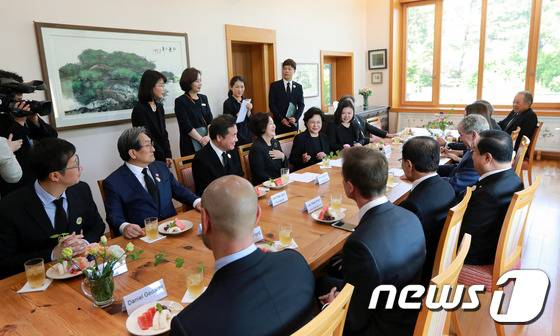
(286, 85)
(371, 204)
(492, 172)
(218, 151)
(223, 261)
(423, 178)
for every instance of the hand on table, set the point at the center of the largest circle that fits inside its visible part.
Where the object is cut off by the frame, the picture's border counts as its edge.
(131, 231)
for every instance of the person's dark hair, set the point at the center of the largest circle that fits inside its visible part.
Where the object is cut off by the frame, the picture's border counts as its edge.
(11, 75)
(366, 169)
(497, 143)
(220, 126)
(313, 111)
(347, 97)
(147, 84)
(289, 62)
(50, 155)
(480, 109)
(423, 152)
(232, 82)
(189, 76)
(129, 140)
(258, 123)
(489, 106)
(527, 96)
(341, 105)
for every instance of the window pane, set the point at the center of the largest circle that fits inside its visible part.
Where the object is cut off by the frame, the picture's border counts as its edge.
(459, 51)
(327, 80)
(419, 52)
(507, 39)
(547, 85)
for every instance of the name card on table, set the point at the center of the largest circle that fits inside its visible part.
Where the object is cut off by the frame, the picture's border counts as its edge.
(322, 179)
(257, 234)
(313, 204)
(151, 293)
(278, 198)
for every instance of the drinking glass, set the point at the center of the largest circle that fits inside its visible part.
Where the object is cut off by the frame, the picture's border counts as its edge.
(336, 203)
(285, 175)
(195, 280)
(151, 226)
(35, 272)
(285, 234)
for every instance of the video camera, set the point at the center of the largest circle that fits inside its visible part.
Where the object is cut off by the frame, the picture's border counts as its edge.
(10, 87)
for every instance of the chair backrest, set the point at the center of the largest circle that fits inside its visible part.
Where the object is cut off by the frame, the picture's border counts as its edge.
(515, 134)
(510, 244)
(330, 322)
(519, 156)
(288, 135)
(433, 322)
(101, 189)
(183, 169)
(243, 151)
(375, 121)
(286, 142)
(449, 238)
(533, 144)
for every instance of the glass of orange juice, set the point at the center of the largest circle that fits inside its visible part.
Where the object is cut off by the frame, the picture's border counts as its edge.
(285, 234)
(35, 272)
(285, 175)
(195, 280)
(151, 227)
(336, 203)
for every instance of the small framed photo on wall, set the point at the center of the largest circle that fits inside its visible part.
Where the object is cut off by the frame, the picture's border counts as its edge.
(377, 77)
(377, 59)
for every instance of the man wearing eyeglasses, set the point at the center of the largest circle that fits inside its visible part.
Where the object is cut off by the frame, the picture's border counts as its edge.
(55, 212)
(141, 187)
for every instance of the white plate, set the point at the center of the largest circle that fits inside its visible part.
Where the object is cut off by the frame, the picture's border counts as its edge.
(270, 186)
(53, 274)
(132, 320)
(188, 226)
(263, 191)
(315, 216)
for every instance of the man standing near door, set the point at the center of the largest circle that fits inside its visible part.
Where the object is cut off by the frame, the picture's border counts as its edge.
(285, 99)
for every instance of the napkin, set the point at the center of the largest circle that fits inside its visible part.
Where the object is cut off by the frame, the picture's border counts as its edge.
(146, 240)
(187, 298)
(27, 288)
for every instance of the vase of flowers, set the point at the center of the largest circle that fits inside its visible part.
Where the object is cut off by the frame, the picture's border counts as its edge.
(440, 123)
(365, 93)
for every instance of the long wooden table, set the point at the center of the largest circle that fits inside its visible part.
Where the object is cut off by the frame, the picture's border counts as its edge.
(63, 310)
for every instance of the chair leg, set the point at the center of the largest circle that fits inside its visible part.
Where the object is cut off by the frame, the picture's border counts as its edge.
(529, 173)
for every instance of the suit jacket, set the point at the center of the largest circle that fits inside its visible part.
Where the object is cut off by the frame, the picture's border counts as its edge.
(429, 201)
(260, 294)
(303, 143)
(207, 167)
(154, 122)
(527, 121)
(460, 175)
(191, 114)
(485, 215)
(388, 247)
(26, 229)
(263, 167)
(368, 129)
(278, 102)
(127, 201)
(339, 135)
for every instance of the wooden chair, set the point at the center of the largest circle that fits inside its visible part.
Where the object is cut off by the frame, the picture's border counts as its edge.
(517, 163)
(375, 121)
(286, 142)
(515, 134)
(528, 162)
(330, 322)
(183, 169)
(434, 322)
(103, 198)
(510, 246)
(243, 151)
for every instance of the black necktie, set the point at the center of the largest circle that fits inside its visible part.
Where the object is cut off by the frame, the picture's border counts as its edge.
(60, 218)
(226, 161)
(288, 89)
(150, 185)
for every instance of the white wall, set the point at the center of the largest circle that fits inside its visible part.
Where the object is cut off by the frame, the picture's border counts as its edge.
(303, 28)
(378, 38)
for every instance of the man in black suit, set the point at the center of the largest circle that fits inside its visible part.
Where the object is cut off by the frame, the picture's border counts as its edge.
(430, 197)
(251, 292)
(56, 203)
(220, 158)
(286, 96)
(521, 116)
(491, 196)
(387, 247)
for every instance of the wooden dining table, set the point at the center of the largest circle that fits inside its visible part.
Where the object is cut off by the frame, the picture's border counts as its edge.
(62, 309)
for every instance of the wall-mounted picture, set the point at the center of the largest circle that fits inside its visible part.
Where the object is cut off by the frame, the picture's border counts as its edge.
(307, 74)
(93, 73)
(377, 59)
(377, 77)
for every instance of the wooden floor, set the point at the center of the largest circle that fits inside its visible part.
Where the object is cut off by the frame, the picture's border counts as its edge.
(542, 251)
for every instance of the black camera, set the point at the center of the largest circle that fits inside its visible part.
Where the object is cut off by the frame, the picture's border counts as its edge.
(10, 87)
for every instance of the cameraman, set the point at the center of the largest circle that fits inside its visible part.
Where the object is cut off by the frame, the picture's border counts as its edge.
(27, 128)
(10, 170)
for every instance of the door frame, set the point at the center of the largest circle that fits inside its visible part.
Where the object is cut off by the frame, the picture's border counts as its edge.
(335, 54)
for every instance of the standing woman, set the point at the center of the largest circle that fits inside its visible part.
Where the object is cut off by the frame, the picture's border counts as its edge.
(266, 157)
(312, 145)
(149, 113)
(343, 132)
(232, 105)
(193, 113)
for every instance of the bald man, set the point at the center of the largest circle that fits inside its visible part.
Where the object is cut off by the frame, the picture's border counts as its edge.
(252, 292)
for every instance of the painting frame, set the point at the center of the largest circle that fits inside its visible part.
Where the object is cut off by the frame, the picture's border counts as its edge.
(307, 74)
(377, 77)
(174, 54)
(377, 59)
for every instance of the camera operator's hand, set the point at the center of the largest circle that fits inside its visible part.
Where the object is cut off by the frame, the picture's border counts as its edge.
(14, 144)
(22, 105)
(34, 118)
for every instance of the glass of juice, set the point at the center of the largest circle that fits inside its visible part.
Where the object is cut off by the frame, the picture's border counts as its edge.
(151, 227)
(336, 203)
(285, 175)
(35, 272)
(195, 280)
(285, 234)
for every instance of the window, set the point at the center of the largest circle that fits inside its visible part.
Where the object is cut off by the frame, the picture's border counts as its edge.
(327, 83)
(547, 84)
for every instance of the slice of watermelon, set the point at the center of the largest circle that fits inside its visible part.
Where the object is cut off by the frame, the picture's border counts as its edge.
(278, 182)
(322, 213)
(144, 321)
(180, 224)
(151, 312)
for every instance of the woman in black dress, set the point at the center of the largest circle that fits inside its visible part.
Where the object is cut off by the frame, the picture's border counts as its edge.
(193, 113)
(232, 105)
(311, 146)
(343, 132)
(266, 157)
(149, 113)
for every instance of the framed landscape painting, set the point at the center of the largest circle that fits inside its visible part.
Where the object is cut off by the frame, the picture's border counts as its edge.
(92, 73)
(377, 59)
(307, 74)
